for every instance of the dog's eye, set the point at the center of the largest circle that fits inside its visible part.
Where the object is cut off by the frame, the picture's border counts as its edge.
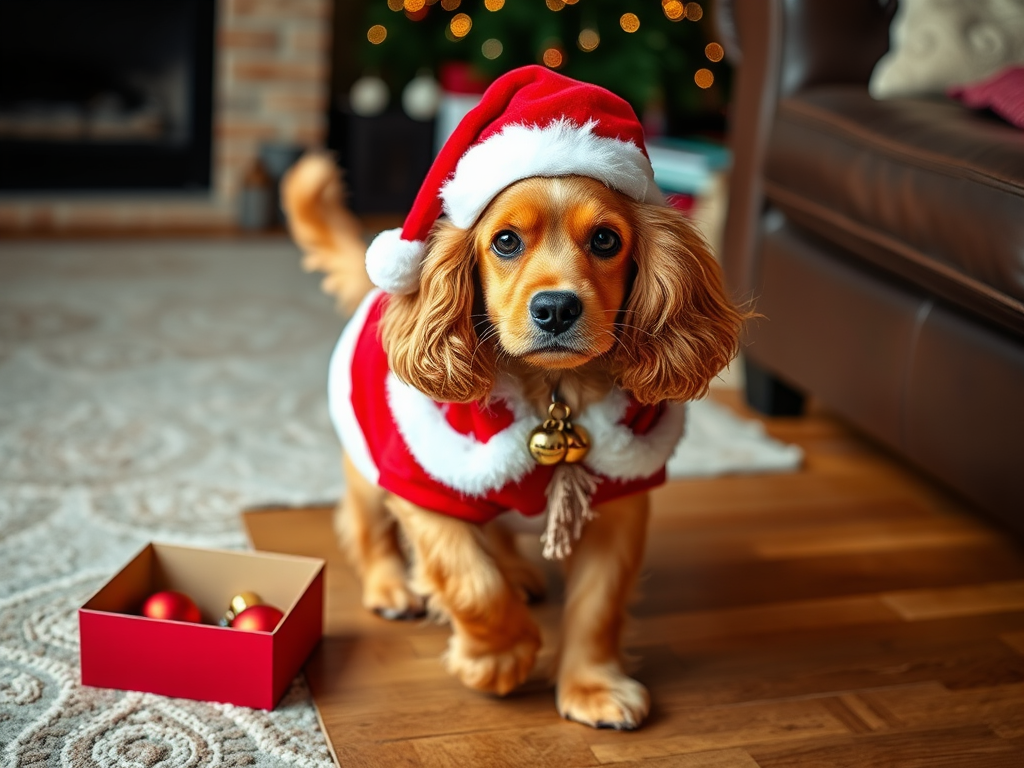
(506, 244)
(605, 242)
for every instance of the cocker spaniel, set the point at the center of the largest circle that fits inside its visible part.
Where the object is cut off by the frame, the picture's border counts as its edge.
(530, 357)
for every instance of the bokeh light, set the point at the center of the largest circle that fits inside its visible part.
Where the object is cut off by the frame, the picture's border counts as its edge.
(460, 25)
(674, 10)
(396, 5)
(588, 40)
(553, 58)
(494, 5)
(694, 12)
(377, 34)
(554, 5)
(703, 78)
(629, 22)
(492, 48)
(714, 51)
(450, 5)
(412, 6)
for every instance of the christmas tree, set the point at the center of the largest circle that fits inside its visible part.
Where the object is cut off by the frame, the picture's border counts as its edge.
(659, 56)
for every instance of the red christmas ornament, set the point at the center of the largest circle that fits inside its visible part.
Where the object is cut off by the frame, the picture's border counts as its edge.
(258, 618)
(171, 606)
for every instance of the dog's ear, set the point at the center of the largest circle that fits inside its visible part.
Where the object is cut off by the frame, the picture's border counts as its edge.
(678, 328)
(429, 335)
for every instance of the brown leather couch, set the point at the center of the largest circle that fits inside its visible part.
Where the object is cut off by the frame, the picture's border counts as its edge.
(883, 242)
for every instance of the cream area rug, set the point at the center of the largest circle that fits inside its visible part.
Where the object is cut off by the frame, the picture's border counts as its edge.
(150, 390)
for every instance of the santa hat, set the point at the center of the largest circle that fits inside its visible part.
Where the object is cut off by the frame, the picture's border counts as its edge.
(530, 122)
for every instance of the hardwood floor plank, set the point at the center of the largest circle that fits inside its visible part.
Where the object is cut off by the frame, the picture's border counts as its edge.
(719, 758)
(780, 673)
(874, 536)
(976, 747)
(923, 604)
(762, 619)
(934, 706)
(507, 749)
(734, 726)
(687, 579)
(373, 754)
(1015, 640)
(873, 717)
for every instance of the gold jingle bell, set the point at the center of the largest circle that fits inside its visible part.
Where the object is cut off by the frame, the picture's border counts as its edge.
(578, 443)
(558, 439)
(548, 445)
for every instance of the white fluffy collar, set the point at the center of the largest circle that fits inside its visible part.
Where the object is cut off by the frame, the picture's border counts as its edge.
(474, 468)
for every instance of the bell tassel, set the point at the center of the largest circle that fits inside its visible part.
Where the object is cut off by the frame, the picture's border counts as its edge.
(569, 494)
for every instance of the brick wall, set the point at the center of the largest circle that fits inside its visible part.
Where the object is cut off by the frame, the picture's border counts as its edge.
(272, 80)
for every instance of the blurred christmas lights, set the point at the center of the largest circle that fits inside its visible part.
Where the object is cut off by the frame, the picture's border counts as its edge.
(674, 10)
(552, 58)
(460, 25)
(492, 48)
(588, 40)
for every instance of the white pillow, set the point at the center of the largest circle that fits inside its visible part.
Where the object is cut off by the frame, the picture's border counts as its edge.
(934, 44)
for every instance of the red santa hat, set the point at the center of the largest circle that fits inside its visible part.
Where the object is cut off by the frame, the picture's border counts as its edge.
(530, 122)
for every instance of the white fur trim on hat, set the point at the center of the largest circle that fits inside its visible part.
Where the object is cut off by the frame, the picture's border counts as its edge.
(394, 264)
(561, 148)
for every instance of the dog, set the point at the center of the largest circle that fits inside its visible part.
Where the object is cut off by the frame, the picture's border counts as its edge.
(563, 303)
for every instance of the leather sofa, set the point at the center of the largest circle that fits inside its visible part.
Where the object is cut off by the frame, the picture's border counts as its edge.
(882, 241)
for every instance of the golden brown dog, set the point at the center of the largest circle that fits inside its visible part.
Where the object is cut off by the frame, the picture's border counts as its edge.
(638, 305)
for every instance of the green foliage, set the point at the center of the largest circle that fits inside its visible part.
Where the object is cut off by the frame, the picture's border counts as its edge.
(655, 64)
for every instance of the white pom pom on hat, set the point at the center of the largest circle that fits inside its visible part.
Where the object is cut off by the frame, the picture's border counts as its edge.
(530, 122)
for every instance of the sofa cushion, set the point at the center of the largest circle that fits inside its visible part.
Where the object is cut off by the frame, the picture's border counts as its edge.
(934, 44)
(925, 189)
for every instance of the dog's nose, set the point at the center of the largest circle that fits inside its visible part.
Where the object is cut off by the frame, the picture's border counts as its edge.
(555, 311)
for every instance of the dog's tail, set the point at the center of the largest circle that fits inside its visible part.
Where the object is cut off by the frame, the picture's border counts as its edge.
(330, 236)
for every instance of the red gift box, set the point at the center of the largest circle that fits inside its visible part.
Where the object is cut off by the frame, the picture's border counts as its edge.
(122, 649)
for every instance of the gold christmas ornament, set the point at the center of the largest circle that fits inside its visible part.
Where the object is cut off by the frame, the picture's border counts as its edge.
(558, 440)
(239, 603)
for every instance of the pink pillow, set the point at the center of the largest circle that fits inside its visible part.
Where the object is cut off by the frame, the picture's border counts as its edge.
(1003, 93)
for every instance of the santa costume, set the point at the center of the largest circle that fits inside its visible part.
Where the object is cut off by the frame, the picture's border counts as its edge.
(471, 460)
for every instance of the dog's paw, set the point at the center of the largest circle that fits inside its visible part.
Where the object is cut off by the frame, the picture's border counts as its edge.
(386, 593)
(492, 671)
(605, 700)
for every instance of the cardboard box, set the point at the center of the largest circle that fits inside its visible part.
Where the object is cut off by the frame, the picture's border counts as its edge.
(121, 649)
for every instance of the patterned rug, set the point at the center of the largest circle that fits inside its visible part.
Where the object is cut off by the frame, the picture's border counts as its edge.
(150, 391)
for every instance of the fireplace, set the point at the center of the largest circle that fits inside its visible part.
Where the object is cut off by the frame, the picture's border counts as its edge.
(106, 95)
(148, 116)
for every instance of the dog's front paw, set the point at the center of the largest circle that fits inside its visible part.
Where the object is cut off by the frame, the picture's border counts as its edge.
(603, 699)
(386, 592)
(492, 670)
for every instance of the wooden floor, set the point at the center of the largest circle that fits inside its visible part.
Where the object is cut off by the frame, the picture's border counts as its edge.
(847, 615)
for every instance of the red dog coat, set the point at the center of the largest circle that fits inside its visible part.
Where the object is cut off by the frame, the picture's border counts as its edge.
(470, 460)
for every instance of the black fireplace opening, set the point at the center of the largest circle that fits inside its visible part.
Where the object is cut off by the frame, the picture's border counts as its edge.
(106, 94)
